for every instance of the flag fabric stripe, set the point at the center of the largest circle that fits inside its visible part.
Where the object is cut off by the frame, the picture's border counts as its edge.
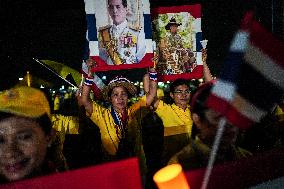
(94, 51)
(247, 109)
(198, 39)
(252, 80)
(147, 30)
(193, 9)
(91, 27)
(231, 68)
(225, 90)
(146, 7)
(268, 44)
(89, 7)
(239, 42)
(257, 89)
(225, 108)
(149, 45)
(265, 65)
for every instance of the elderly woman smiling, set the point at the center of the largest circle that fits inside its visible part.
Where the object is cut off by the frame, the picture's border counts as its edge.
(120, 124)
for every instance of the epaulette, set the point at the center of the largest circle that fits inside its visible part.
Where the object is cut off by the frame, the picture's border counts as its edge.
(135, 28)
(104, 27)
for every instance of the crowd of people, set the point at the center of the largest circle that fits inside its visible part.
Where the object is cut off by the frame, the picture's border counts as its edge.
(152, 129)
(157, 133)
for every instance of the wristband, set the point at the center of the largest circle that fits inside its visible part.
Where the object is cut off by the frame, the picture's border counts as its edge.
(153, 76)
(88, 81)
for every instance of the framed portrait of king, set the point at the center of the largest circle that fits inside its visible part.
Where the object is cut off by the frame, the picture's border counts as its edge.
(177, 33)
(119, 34)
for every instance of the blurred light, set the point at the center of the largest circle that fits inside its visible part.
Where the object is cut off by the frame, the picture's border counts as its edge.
(200, 80)
(168, 81)
(104, 77)
(41, 86)
(20, 78)
(161, 84)
(171, 177)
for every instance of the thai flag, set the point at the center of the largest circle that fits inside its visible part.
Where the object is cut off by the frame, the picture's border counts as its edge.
(252, 81)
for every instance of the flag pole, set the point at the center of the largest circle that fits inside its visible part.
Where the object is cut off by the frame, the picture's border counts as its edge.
(213, 153)
(38, 61)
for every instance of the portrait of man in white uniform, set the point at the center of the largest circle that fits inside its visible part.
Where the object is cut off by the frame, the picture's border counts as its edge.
(121, 42)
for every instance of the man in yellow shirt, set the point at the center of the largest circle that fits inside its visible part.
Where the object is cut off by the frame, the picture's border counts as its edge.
(176, 118)
(196, 153)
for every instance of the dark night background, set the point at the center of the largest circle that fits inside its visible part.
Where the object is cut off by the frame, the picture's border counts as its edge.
(55, 30)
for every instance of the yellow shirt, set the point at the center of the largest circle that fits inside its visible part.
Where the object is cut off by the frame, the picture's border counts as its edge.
(177, 128)
(102, 117)
(56, 103)
(175, 119)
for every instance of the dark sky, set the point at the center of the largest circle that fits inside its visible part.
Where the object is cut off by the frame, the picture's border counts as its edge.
(55, 29)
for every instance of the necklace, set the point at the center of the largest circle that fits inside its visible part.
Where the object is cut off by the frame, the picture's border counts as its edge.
(120, 123)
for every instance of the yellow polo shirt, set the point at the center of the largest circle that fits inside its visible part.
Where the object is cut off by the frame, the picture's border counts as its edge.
(102, 117)
(175, 119)
(177, 128)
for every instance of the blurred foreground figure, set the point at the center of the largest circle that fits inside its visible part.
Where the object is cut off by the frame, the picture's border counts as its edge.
(25, 134)
(205, 125)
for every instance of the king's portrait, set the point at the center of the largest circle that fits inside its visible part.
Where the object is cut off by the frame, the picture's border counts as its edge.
(122, 38)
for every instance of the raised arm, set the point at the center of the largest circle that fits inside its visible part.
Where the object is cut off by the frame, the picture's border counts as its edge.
(206, 73)
(86, 89)
(150, 86)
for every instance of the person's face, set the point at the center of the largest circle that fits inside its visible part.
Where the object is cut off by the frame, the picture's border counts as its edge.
(119, 99)
(173, 28)
(117, 11)
(23, 147)
(181, 96)
(209, 126)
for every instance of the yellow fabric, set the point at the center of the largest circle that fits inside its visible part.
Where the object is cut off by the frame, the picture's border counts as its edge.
(279, 113)
(56, 103)
(175, 119)
(65, 124)
(64, 70)
(101, 116)
(24, 101)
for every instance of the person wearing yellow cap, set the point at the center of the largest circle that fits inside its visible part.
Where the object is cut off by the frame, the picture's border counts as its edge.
(120, 124)
(25, 134)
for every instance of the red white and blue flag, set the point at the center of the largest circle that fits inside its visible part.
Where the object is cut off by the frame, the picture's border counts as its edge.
(252, 81)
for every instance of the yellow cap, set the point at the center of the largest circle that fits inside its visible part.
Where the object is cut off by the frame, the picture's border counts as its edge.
(24, 101)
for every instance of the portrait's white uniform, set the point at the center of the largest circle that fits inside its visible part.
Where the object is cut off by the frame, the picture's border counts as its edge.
(129, 44)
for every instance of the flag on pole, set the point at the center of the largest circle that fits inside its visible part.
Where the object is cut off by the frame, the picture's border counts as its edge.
(252, 81)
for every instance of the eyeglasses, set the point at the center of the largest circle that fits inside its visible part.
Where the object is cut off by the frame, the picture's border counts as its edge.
(182, 92)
